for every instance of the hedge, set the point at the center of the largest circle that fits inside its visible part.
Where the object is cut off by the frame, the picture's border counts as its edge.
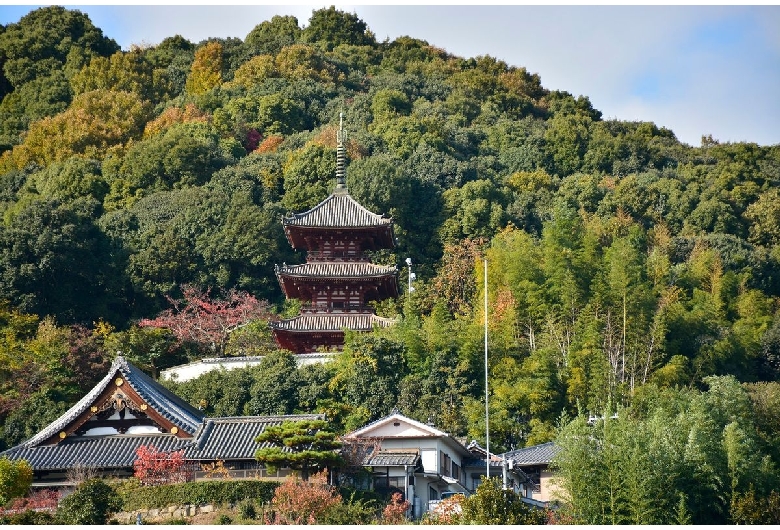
(219, 492)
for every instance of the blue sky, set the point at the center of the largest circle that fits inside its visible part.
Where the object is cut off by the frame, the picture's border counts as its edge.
(697, 69)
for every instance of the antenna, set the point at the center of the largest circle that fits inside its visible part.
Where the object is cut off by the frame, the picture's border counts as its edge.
(341, 171)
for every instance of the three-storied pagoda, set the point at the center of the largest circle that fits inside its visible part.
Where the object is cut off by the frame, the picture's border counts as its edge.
(338, 280)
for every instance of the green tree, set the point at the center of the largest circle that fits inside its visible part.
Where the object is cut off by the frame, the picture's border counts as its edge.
(493, 505)
(270, 36)
(303, 445)
(331, 27)
(15, 479)
(92, 503)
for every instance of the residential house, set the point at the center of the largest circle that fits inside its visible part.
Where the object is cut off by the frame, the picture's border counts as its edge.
(421, 461)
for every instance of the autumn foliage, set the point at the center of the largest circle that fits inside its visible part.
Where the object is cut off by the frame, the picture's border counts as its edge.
(299, 502)
(395, 511)
(153, 467)
(205, 321)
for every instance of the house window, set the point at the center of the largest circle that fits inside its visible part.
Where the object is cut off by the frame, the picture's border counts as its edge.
(445, 464)
(455, 471)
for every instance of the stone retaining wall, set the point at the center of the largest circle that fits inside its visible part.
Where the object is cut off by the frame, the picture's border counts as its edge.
(157, 514)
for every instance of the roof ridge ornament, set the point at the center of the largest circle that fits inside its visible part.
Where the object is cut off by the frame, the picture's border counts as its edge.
(341, 171)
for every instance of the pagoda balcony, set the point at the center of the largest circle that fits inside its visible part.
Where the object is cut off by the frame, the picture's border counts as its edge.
(336, 307)
(336, 255)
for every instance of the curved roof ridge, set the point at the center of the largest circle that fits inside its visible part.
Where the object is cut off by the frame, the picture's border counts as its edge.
(337, 210)
(165, 402)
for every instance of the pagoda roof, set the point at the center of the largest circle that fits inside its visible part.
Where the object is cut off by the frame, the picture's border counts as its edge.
(167, 404)
(339, 210)
(324, 322)
(337, 269)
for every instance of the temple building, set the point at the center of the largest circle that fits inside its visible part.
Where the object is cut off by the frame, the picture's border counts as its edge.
(127, 409)
(338, 280)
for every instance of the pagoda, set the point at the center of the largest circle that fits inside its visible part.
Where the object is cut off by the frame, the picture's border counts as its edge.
(338, 280)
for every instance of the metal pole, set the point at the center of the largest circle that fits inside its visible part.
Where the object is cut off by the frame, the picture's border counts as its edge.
(487, 426)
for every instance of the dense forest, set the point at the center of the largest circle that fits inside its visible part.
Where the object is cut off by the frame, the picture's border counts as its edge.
(628, 273)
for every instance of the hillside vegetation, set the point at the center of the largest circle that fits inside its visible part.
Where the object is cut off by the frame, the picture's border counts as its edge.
(625, 268)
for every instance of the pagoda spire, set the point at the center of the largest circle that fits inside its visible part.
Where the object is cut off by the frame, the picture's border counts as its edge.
(341, 171)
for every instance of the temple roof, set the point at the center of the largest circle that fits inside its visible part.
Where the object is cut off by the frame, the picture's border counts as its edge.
(313, 322)
(227, 438)
(233, 438)
(337, 269)
(339, 210)
(170, 406)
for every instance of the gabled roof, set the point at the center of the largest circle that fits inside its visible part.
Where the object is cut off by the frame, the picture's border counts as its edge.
(170, 406)
(534, 455)
(339, 210)
(405, 428)
(328, 322)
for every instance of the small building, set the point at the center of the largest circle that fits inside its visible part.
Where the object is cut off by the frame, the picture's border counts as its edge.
(127, 409)
(338, 280)
(422, 462)
(533, 463)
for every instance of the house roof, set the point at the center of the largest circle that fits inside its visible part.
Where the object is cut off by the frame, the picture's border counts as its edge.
(339, 210)
(410, 457)
(314, 322)
(169, 405)
(407, 427)
(534, 455)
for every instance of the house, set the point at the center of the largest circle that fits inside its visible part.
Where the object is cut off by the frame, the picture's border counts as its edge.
(533, 464)
(422, 462)
(127, 409)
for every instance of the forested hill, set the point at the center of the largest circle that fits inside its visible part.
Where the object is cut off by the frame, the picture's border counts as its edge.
(618, 256)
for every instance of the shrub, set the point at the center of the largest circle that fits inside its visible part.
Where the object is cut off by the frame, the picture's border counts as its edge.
(247, 510)
(491, 504)
(91, 503)
(218, 492)
(224, 519)
(395, 511)
(299, 502)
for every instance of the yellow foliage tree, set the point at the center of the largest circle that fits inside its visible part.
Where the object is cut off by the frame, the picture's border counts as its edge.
(206, 70)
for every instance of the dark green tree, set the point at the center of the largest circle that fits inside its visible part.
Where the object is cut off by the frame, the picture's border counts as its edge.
(302, 445)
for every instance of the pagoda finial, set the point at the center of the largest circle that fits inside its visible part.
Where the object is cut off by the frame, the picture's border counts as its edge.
(341, 171)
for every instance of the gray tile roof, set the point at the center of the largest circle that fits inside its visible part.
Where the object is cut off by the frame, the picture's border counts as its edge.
(332, 322)
(339, 210)
(392, 458)
(172, 407)
(534, 455)
(231, 438)
(116, 451)
(337, 269)
(234, 438)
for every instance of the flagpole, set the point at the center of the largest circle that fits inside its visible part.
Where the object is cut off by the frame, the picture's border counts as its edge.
(487, 426)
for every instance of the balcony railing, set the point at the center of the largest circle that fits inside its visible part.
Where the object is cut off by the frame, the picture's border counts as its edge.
(337, 255)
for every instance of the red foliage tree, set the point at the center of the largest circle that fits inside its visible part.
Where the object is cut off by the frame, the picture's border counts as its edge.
(298, 502)
(395, 511)
(154, 467)
(208, 322)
